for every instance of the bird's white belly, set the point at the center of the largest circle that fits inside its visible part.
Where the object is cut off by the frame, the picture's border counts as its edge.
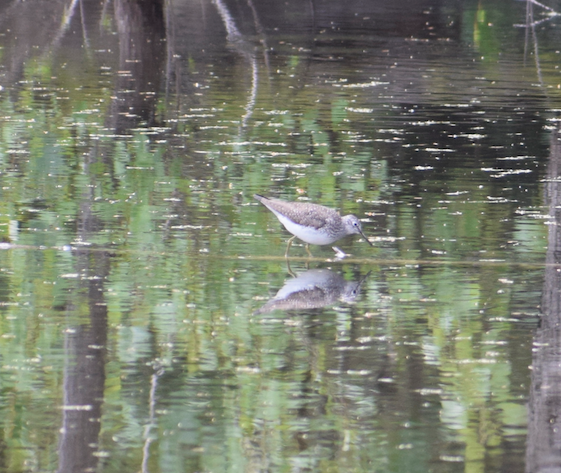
(307, 234)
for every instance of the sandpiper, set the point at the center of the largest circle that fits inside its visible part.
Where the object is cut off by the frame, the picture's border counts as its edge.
(312, 223)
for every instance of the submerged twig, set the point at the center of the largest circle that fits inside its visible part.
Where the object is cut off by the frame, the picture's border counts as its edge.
(244, 48)
(66, 19)
(152, 420)
(529, 12)
(261, 31)
(103, 13)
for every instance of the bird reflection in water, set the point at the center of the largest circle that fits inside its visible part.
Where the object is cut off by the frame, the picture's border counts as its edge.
(313, 289)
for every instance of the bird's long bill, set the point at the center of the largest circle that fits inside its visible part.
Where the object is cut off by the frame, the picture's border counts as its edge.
(364, 236)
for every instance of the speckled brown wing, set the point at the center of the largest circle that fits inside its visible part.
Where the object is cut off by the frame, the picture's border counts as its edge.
(303, 213)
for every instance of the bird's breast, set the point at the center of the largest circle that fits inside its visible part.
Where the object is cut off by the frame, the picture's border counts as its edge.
(307, 234)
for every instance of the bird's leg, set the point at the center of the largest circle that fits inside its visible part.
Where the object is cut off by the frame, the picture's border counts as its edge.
(288, 246)
(289, 269)
(308, 250)
(339, 253)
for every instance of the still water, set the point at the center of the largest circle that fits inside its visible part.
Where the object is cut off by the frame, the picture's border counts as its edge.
(149, 321)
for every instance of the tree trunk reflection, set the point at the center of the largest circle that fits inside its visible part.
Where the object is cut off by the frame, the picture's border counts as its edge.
(544, 422)
(141, 32)
(84, 375)
(141, 29)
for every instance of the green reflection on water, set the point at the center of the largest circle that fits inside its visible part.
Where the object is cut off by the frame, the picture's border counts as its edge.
(140, 229)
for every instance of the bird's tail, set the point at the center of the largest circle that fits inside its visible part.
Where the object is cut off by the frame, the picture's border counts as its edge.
(259, 197)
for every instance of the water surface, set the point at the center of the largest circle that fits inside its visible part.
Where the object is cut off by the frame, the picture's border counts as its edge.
(148, 318)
